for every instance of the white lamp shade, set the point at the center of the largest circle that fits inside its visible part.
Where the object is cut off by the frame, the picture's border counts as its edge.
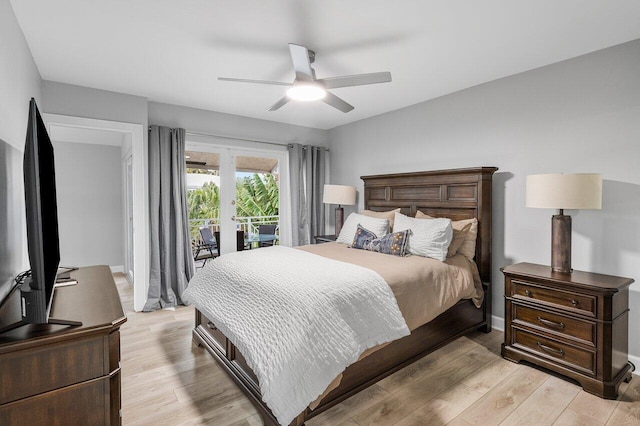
(339, 194)
(564, 191)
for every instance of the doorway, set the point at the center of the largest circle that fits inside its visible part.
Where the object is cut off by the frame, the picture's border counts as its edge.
(131, 138)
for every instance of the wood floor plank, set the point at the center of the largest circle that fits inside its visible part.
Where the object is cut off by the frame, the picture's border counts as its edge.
(443, 408)
(237, 409)
(493, 373)
(432, 361)
(505, 397)
(341, 413)
(254, 420)
(544, 405)
(627, 412)
(570, 417)
(481, 337)
(592, 406)
(415, 394)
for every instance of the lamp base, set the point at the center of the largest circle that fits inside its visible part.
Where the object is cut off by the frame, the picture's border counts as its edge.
(339, 220)
(561, 243)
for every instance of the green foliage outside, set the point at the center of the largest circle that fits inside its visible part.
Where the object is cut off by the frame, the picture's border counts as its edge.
(204, 203)
(202, 172)
(255, 196)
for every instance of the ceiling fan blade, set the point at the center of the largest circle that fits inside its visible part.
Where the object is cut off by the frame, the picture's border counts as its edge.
(356, 80)
(244, 80)
(301, 63)
(282, 101)
(336, 102)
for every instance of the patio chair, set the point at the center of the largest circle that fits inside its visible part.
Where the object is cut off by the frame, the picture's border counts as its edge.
(266, 230)
(207, 248)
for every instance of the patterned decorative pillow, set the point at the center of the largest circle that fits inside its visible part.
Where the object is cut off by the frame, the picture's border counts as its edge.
(394, 244)
(362, 237)
(378, 226)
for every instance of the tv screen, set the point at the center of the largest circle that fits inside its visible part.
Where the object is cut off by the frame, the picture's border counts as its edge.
(42, 220)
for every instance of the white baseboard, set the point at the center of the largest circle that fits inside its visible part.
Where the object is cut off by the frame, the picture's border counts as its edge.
(497, 323)
(117, 268)
(636, 361)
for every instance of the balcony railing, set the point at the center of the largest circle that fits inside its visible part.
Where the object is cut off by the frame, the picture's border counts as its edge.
(248, 224)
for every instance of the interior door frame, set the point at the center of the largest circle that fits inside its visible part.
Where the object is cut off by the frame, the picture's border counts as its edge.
(228, 150)
(132, 134)
(127, 181)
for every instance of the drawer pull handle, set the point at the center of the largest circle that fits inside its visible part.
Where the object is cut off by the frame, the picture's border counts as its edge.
(551, 323)
(527, 293)
(211, 326)
(574, 302)
(551, 350)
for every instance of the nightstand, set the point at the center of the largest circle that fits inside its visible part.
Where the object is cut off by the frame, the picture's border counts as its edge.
(324, 238)
(574, 324)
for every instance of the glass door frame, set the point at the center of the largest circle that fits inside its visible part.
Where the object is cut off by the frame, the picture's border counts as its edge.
(228, 150)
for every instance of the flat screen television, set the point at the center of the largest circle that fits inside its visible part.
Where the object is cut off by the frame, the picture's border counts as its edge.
(38, 284)
(42, 220)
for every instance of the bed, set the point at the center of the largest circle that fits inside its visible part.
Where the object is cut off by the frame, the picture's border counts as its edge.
(457, 194)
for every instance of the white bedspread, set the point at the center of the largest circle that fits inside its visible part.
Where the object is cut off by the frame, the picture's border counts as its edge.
(298, 318)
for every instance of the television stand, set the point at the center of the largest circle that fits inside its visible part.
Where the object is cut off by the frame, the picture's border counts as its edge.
(65, 375)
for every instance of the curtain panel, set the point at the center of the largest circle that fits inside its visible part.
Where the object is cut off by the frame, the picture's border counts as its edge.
(307, 167)
(171, 262)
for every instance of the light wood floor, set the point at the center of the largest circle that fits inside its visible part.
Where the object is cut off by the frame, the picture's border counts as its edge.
(167, 380)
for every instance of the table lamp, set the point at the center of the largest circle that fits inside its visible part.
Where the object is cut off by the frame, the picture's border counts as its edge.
(342, 195)
(563, 191)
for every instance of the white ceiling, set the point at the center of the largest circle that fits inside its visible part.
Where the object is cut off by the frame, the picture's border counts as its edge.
(173, 51)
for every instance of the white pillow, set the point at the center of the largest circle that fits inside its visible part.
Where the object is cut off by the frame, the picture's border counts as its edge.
(429, 238)
(380, 227)
(468, 248)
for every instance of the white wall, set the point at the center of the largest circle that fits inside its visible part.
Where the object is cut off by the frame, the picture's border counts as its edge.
(580, 115)
(89, 189)
(202, 121)
(19, 81)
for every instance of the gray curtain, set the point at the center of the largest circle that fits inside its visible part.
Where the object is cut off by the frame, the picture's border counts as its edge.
(307, 166)
(171, 261)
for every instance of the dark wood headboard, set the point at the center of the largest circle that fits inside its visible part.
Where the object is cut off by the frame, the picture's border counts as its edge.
(456, 194)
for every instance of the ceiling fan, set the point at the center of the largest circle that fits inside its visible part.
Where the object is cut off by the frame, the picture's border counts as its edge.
(306, 87)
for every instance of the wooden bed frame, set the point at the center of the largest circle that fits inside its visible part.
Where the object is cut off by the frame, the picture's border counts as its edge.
(457, 194)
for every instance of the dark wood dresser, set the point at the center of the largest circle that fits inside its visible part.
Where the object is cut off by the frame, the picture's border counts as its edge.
(57, 375)
(574, 324)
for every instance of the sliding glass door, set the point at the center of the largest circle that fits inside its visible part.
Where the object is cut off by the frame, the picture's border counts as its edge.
(240, 194)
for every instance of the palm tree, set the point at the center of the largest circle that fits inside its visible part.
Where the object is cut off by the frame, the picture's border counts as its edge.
(204, 203)
(257, 196)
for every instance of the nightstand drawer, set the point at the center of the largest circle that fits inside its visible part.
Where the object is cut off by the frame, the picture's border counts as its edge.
(580, 359)
(577, 302)
(561, 325)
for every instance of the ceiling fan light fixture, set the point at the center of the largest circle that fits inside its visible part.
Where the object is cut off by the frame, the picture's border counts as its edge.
(306, 92)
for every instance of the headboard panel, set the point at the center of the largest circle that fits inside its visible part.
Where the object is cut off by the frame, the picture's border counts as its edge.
(456, 194)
